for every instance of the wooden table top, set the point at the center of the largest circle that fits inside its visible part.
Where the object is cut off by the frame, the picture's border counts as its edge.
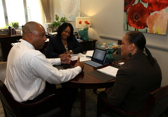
(84, 80)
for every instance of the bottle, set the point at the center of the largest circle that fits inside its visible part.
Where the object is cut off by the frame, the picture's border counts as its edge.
(9, 30)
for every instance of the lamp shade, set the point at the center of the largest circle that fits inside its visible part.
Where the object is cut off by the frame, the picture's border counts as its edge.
(80, 22)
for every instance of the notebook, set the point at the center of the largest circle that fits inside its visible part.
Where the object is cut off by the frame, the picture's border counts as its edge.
(109, 70)
(98, 58)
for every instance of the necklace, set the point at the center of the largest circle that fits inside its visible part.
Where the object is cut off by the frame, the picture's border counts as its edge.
(64, 41)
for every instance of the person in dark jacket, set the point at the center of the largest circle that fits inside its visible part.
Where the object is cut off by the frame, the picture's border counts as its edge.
(139, 76)
(64, 43)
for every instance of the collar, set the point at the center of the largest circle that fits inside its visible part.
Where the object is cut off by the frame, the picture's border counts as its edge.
(137, 56)
(27, 43)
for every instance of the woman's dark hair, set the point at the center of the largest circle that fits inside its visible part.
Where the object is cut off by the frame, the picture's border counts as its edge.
(62, 27)
(139, 40)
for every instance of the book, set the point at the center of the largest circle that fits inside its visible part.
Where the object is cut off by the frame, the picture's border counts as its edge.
(109, 70)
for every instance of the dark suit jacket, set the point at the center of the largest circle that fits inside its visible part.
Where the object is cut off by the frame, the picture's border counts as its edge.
(134, 82)
(55, 46)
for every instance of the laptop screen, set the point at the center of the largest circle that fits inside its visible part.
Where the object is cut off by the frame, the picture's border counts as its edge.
(99, 55)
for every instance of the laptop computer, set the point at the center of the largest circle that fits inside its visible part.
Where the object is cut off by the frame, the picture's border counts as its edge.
(98, 58)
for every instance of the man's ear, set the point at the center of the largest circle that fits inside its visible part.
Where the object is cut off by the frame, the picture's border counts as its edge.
(30, 36)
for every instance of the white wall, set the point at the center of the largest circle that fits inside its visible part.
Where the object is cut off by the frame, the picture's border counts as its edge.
(107, 21)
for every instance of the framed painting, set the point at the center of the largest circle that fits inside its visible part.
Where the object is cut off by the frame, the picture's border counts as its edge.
(70, 9)
(149, 16)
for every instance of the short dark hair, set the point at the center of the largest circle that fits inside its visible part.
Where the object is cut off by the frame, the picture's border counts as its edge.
(62, 27)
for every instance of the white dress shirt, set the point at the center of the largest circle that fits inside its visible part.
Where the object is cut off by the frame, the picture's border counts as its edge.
(28, 69)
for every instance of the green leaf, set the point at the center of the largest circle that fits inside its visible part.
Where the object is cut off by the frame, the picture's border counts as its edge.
(56, 17)
(57, 22)
(15, 25)
(62, 19)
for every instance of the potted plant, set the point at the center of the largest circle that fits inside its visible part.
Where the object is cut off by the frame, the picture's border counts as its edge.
(57, 22)
(15, 25)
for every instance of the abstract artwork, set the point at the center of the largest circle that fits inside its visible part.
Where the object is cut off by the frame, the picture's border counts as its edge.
(150, 16)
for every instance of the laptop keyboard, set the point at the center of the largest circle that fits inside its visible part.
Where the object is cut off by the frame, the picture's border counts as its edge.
(94, 64)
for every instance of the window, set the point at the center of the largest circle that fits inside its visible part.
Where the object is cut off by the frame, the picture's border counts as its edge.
(34, 11)
(20, 11)
(2, 19)
(15, 11)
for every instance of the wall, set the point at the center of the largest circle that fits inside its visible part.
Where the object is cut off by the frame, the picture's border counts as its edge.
(107, 26)
(55, 10)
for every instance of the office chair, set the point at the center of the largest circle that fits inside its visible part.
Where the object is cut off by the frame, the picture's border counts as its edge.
(156, 106)
(11, 107)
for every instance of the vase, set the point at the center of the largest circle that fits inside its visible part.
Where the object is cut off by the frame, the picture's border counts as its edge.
(83, 34)
(109, 55)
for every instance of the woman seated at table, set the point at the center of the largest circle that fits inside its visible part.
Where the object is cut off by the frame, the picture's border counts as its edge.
(139, 76)
(63, 43)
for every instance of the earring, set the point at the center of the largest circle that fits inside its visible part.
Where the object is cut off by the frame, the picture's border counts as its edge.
(130, 54)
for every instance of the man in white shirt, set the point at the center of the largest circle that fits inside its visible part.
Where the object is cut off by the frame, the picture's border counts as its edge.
(28, 71)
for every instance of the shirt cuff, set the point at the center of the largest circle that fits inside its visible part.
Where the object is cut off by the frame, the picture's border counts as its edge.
(56, 61)
(79, 69)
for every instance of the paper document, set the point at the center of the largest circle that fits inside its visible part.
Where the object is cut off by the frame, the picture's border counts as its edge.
(89, 53)
(109, 70)
(121, 63)
(82, 57)
(53, 33)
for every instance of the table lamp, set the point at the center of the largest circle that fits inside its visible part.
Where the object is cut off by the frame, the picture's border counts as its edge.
(83, 23)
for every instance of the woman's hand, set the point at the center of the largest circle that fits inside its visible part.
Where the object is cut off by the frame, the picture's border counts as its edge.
(65, 60)
(64, 55)
(69, 52)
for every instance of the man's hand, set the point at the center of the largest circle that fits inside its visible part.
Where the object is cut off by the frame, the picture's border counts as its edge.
(65, 60)
(78, 63)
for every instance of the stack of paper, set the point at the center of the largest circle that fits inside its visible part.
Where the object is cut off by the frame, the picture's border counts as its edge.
(109, 70)
(53, 33)
(82, 57)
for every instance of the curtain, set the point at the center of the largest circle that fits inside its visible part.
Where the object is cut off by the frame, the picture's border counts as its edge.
(46, 8)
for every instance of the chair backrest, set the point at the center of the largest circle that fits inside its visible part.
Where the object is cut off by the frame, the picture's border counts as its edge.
(159, 101)
(12, 107)
(156, 105)
(8, 103)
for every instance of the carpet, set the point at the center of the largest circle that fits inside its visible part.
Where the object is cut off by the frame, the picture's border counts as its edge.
(90, 102)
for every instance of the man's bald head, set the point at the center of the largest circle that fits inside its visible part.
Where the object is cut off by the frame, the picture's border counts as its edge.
(30, 27)
(34, 33)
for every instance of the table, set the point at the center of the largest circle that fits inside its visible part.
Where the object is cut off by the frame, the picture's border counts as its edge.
(85, 81)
